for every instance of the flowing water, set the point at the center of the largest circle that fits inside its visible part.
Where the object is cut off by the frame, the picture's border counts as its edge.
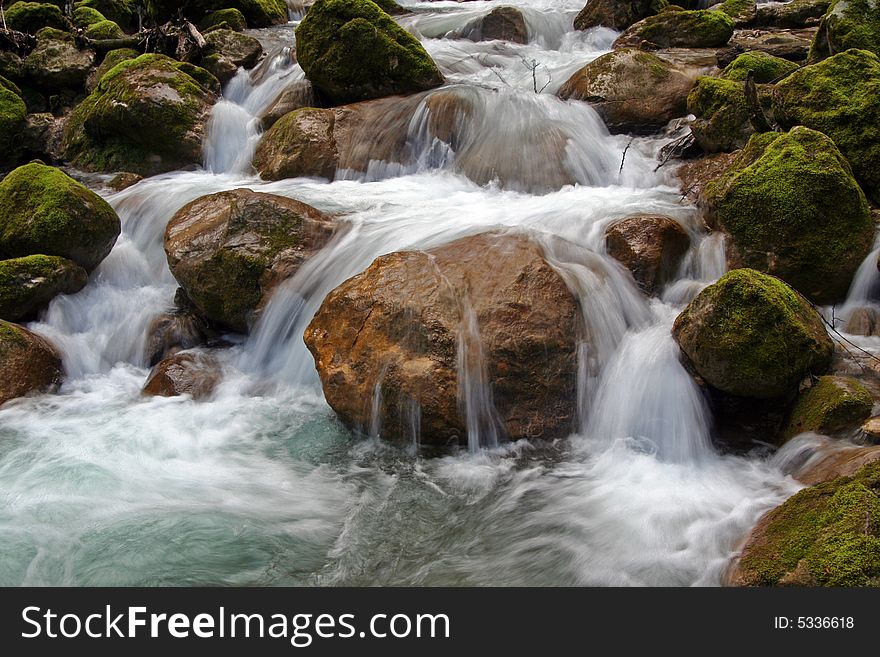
(262, 485)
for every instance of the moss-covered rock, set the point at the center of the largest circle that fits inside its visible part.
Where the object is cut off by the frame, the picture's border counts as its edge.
(28, 363)
(240, 49)
(767, 68)
(616, 14)
(832, 405)
(794, 14)
(43, 210)
(826, 535)
(231, 19)
(722, 122)
(258, 13)
(679, 29)
(111, 59)
(13, 113)
(792, 209)
(121, 12)
(229, 250)
(633, 91)
(28, 284)
(31, 17)
(351, 50)
(147, 115)
(57, 63)
(742, 12)
(840, 97)
(301, 143)
(85, 16)
(848, 24)
(751, 335)
(104, 30)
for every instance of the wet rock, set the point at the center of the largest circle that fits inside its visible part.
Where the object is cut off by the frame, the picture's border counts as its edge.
(45, 211)
(789, 45)
(228, 50)
(836, 461)
(633, 91)
(299, 144)
(351, 50)
(838, 98)
(57, 63)
(651, 247)
(172, 332)
(406, 323)
(792, 209)
(673, 28)
(750, 335)
(229, 250)
(848, 24)
(795, 14)
(191, 373)
(825, 535)
(28, 363)
(27, 285)
(616, 14)
(502, 24)
(147, 116)
(294, 97)
(871, 429)
(833, 405)
(124, 180)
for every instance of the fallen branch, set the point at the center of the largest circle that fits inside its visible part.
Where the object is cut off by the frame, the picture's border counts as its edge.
(756, 113)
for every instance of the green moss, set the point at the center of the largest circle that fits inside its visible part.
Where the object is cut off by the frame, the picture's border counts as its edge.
(10, 85)
(742, 11)
(390, 7)
(120, 127)
(121, 12)
(31, 16)
(104, 30)
(85, 16)
(751, 335)
(682, 29)
(13, 113)
(833, 404)
(793, 209)
(11, 335)
(113, 58)
(232, 19)
(826, 535)
(28, 284)
(723, 116)
(840, 97)
(351, 50)
(767, 68)
(848, 24)
(257, 13)
(43, 210)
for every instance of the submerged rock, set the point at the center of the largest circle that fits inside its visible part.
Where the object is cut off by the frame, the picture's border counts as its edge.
(751, 335)
(397, 338)
(502, 24)
(651, 247)
(28, 284)
(190, 373)
(28, 363)
(673, 28)
(633, 91)
(792, 209)
(229, 250)
(826, 535)
(616, 14)
(351, 50)
(45, 211)
(848, 24)
(832, 405)
(147, 115)
(838, 97)
(172, 332)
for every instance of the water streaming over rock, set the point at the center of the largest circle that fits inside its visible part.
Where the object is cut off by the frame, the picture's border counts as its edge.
(262, 485)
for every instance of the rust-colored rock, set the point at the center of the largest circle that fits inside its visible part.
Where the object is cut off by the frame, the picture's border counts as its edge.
(173, 332)
(28, 363)
(651, 247)
(399, 323)
(189, 373)
(299, 144)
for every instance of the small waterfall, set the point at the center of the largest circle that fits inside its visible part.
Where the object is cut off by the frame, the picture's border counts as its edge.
(704, 264)
(234, 128)
(860, 311)
(484, 429)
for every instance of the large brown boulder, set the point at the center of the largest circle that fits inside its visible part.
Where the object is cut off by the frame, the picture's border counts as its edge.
(57, 63)
(229, 250)
(502, 24)
(301, 143)
(404, 324)
(189, 373)
(633, 91)
(616, 14)
(651, 247)
(28, 363)
(172, 332)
